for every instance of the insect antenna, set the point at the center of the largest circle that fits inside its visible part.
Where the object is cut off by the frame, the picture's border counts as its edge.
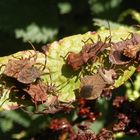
(99, 38)
(3, 102)
(109, 28)
(131, 81)
(35, 55)
(64, 57)
(45, 62)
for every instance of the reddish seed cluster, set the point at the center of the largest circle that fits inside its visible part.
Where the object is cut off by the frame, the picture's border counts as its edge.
(105, 135)
(59, 124)
(62, 126)
(127, 116)
(117, 102)
(123, 122)
(86, 111)
(86, 136)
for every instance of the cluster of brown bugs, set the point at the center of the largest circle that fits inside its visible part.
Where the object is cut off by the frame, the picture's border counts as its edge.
(121, 53)
(25, 76)
(92, 86)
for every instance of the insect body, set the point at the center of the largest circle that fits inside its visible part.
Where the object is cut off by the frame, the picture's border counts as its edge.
(93, 86)
(88, 53)
(23, 70)
(38, 92)
(131, 50)
(124, 51)
(77, 60)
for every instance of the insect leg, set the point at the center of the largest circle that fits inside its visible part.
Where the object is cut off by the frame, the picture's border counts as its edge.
(89, 39)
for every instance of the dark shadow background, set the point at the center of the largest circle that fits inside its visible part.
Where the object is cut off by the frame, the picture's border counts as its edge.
(68, 17)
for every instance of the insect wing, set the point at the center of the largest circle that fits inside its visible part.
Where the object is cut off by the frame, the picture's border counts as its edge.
(38, 92)
(28, 75)
(14, 67)
(92, 87)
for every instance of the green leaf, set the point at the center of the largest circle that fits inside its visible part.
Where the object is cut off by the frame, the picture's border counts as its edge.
(66, 80)
(5, 124)
(37, 34)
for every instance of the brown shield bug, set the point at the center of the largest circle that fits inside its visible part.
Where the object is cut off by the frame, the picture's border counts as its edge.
(29, 75)
(13, 67)
(37, 91)
(124, 51)
(43, 93)
(88, 53)
(92, 86)
(24, 69)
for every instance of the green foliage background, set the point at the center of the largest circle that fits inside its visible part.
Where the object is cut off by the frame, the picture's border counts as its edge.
(44, 21)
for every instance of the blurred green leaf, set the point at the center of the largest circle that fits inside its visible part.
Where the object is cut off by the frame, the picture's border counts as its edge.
(102, 8)
(64, 7)
(100, 122)
(6, 124)
(135, 15)
(37, 34)
(20, 135)
(15, 116)
(133, 89)
(107, 24)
